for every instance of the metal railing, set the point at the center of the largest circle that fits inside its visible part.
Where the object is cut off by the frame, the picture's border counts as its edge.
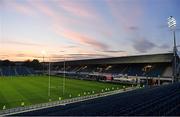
(61, 102)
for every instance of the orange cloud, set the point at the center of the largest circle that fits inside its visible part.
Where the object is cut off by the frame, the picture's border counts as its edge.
(20, 43)
(17, 56)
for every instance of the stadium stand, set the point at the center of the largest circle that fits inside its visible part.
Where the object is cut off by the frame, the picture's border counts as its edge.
(11, 68)
(153, 66)
(12, 71)
(154, 101)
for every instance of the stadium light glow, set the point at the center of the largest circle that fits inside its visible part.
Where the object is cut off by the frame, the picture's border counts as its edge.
(43, 52)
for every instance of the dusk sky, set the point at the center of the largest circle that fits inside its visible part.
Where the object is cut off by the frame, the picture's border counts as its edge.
(80, 29)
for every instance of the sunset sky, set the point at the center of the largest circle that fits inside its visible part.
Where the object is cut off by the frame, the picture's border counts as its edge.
(80, 29)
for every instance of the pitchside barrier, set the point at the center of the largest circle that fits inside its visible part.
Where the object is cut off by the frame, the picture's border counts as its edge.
(61, 102)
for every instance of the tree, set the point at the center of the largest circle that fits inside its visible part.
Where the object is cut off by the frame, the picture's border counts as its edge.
(27, 63)
(7, 63)
(35, 64)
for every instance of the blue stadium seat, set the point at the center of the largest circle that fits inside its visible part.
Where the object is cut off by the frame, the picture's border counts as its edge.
(16, 70)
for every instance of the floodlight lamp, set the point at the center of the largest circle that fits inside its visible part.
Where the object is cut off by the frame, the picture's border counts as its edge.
(43, 52)
(171, 22)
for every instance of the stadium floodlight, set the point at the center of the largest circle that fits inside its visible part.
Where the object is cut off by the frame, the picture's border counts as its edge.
(171, 22)
(172, 26)
(43, 52)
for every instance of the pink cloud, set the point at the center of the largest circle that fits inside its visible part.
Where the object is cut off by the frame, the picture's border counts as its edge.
(56, 17)
(78, 9)
(42, 7)
(80, 38)
(60, 20)
(84, 12)
(90, 16)
(121, 13)
(23, 8)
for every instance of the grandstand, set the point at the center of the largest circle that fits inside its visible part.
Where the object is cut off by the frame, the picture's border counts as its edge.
(9, 68)
(155, 66)
(14, 71)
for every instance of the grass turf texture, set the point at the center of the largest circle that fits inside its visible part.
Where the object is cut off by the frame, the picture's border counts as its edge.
(34, 89)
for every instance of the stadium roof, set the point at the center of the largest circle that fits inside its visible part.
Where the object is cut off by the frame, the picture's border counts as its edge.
(153, 58)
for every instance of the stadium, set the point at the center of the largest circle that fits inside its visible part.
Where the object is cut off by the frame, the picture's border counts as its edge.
(56, 83)
(89, 58)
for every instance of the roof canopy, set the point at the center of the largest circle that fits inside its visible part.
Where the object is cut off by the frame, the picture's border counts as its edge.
(153, 58)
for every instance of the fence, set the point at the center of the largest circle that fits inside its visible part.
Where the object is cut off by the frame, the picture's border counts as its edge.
(58, 103)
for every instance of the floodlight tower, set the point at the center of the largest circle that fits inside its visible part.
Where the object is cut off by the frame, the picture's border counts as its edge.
(172, 26)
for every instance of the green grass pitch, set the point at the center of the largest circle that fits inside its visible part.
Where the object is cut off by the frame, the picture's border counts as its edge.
(34, 89)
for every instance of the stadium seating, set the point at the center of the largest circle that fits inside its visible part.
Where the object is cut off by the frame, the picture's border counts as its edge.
(157, 71)
(18, 70)
(124, 69)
